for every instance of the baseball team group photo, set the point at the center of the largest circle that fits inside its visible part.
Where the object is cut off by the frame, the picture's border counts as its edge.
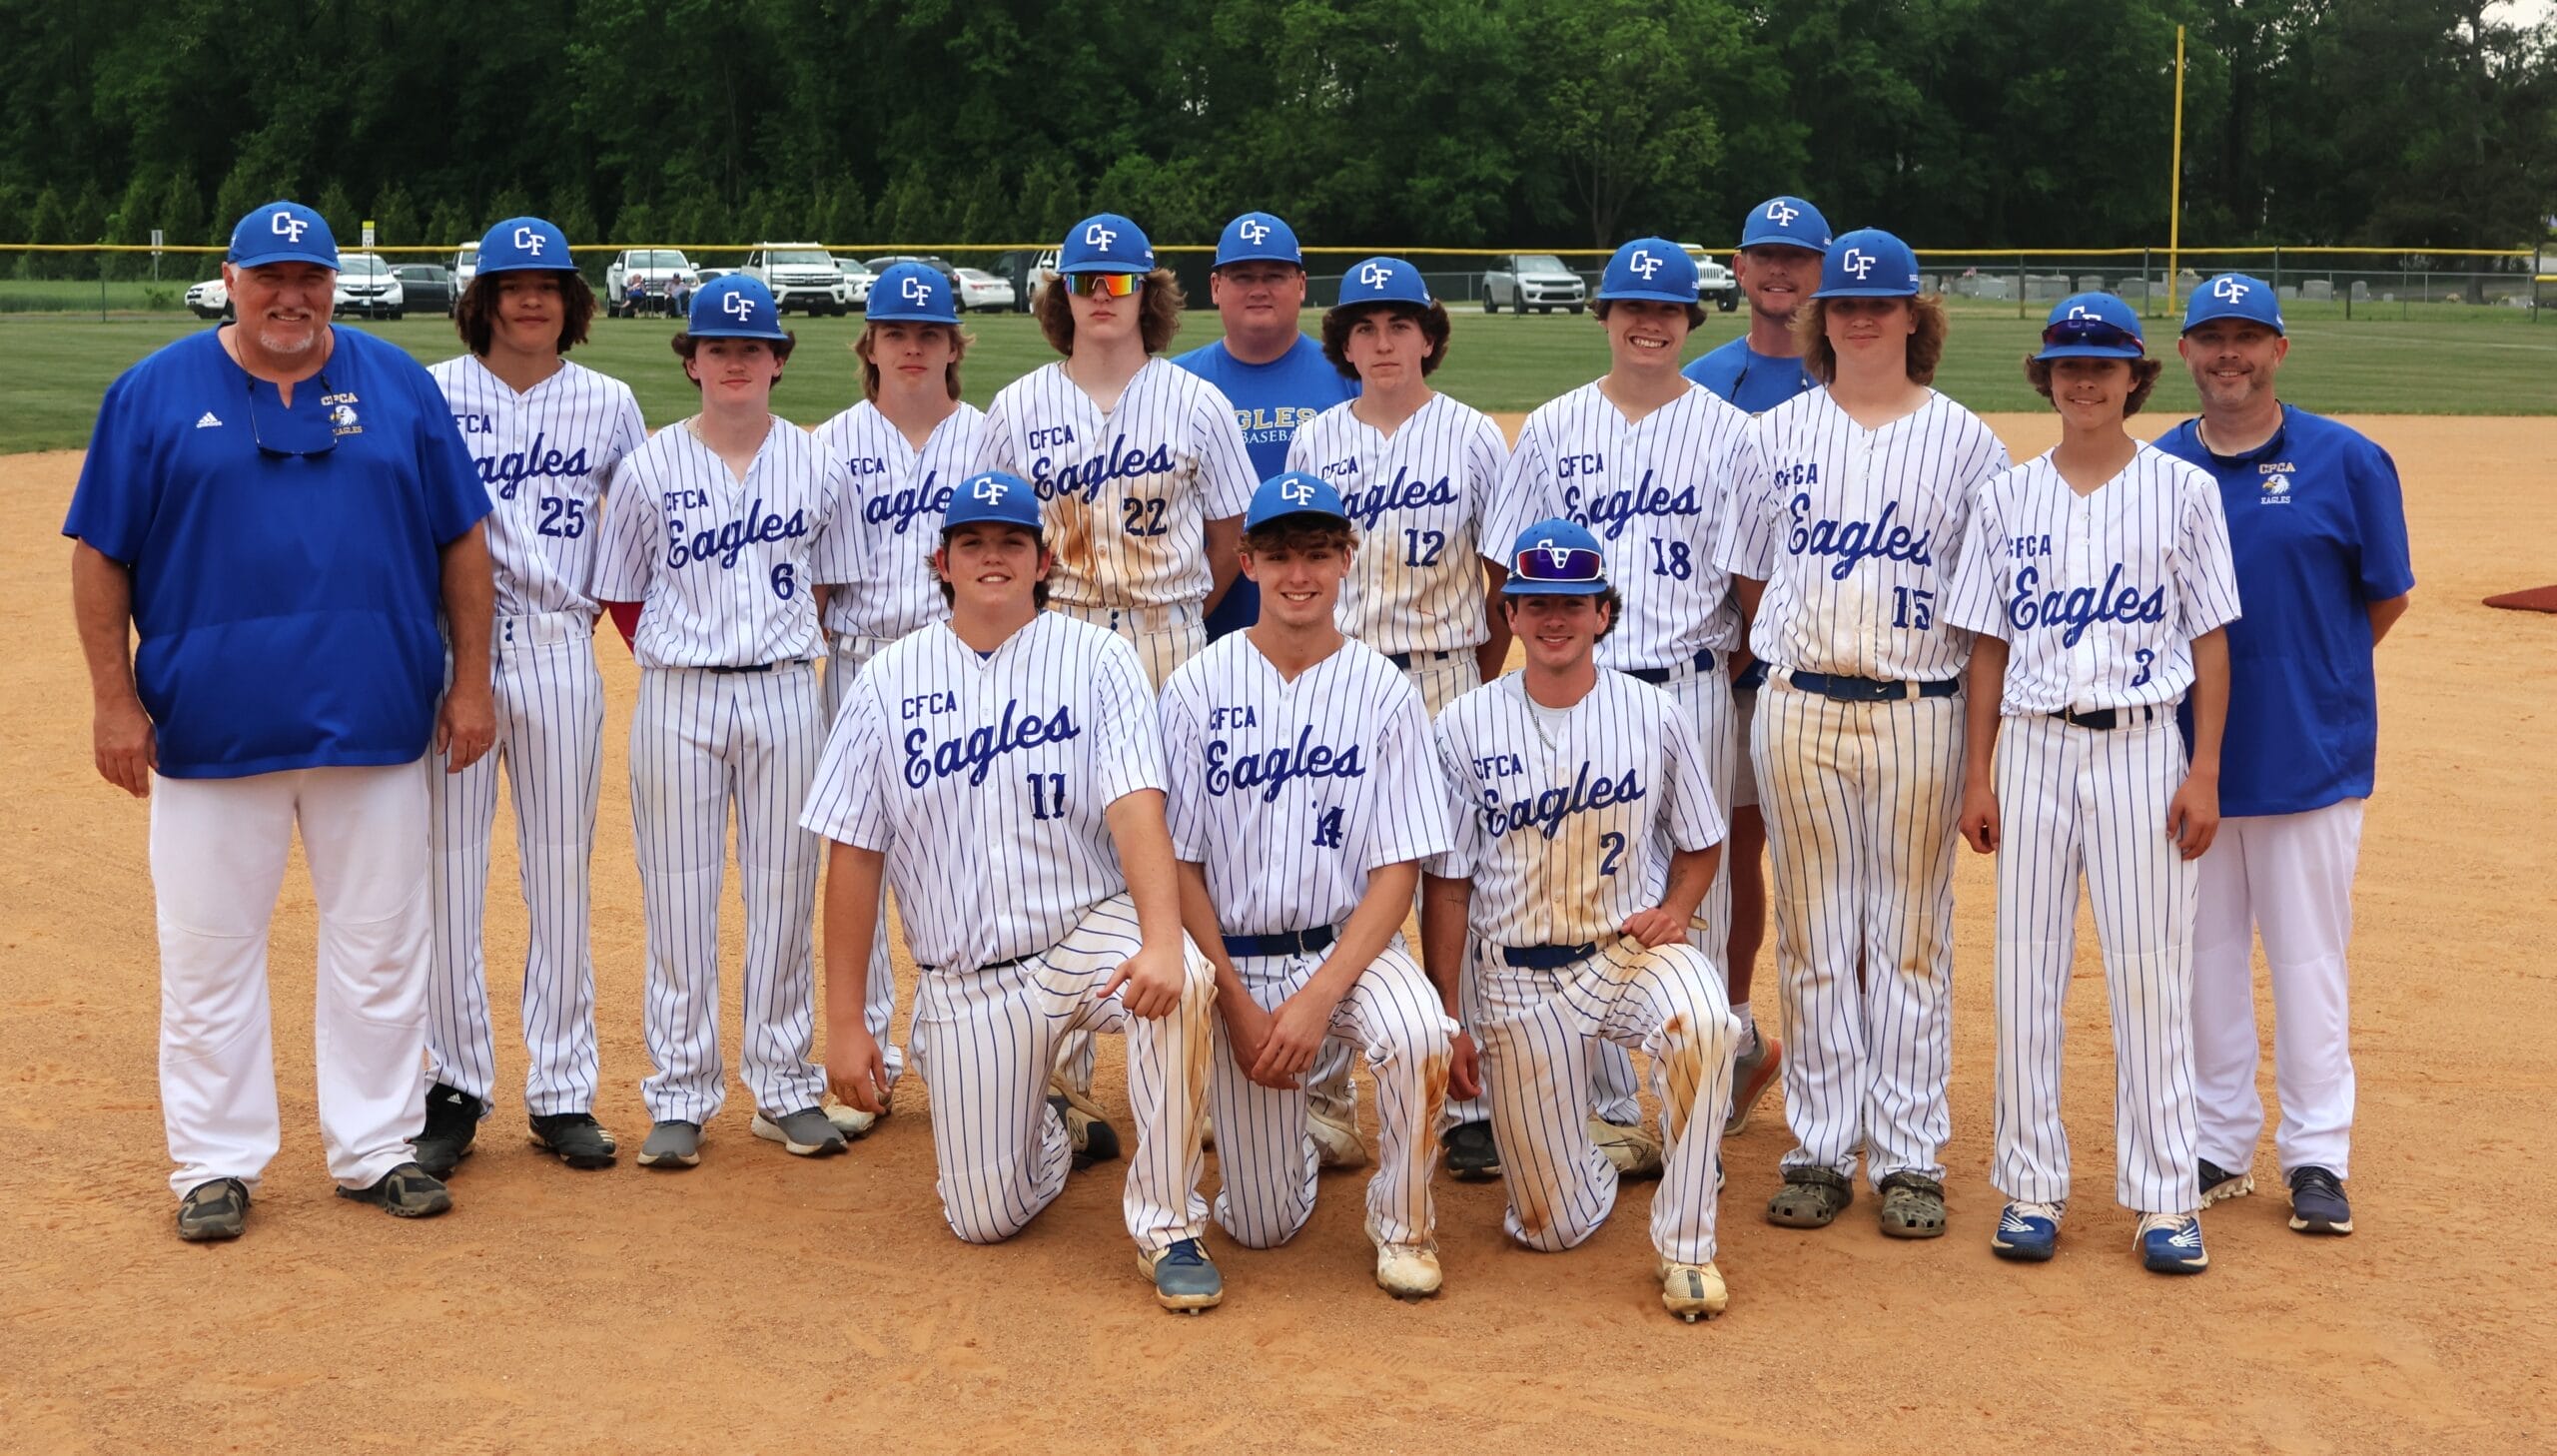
(1821, 833)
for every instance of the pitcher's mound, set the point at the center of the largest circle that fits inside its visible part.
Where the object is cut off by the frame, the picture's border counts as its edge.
(2537, 599)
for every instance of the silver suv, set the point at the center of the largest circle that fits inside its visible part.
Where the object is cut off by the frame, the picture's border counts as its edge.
(1522, 280)
(801, 275)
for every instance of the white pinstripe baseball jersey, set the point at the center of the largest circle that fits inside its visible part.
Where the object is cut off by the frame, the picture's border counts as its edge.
(1654, 493)
(1288, 793)
(984, 779)
(1420, 497)
(544, 455)
(891, 520)
(1856, 533)
(724, 566)
(1125, 496)
(1564, 840)
(2100, 595)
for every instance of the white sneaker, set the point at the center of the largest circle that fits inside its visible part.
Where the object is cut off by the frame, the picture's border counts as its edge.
(849, 1121)
(1629, 1148)
(1337, 1145)
(1408, 1270)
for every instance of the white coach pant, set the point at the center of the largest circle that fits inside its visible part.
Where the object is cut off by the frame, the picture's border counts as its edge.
(699, 741)
(1859, 802)
(985, 1039)
(2292, 875)
(844, 662)
(1393, 1015)
(2072, 798)
(218, 852)
(549, 698)
(1536, 1035)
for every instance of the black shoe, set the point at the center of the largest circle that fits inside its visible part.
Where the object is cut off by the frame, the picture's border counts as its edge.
(1473, 1155)
(2317, 1203)
(1092, 1139)
(407, 1192)
(2217, 1183)
(577, 1138)
(214, 1211)
(452, 1119)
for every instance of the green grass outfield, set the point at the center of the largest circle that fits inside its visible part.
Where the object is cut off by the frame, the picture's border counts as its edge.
(2489, 362)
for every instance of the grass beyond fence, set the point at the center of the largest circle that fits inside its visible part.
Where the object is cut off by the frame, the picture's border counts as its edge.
(2419, 366)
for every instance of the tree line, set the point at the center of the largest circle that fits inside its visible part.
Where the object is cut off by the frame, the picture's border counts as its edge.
(1403, 123)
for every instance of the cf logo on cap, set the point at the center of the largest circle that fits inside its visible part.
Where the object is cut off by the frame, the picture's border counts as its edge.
(1857, 262)
(988, 489)
(2227, 287)
(286, 226)
(2081, 311)
(1296, 492)
(1643, 264)
(1375, 275)
(1782, 214)
(737, 306)
(1099, 236)
(1559, 555)
(528, 239)
(1254, 231)
(916, 289)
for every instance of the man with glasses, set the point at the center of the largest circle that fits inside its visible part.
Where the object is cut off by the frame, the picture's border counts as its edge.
(279, 511)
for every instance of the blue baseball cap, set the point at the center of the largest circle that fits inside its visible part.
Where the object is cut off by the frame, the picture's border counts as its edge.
(1293, 493)
(282, 232)
(1868, 263)
(912, 292)
(2092, 326)
(2234, 296)
(1106, 243)
(1259, 238)
(734, 306)
(1383, 281)
(526, 245)
(1785, 222)
(1649, 267)
(1556, 557)
(992, 495)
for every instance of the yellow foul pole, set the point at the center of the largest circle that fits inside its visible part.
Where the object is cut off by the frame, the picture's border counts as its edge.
(2175, 182)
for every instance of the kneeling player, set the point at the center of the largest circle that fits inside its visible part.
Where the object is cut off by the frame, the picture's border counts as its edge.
(1303, 797)
(1569, 781)
(1004, 769)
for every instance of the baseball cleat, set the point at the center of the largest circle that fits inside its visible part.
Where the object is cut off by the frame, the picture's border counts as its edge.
(1473, 1155)
(1094, 1141)
(849, 1121)
(1692, 1292)
(407, 1192)
(2170, 1243)
(1751, 1076)
(2218, 1182)
(1337, 1143)
(1408, 1270)
(575, 1138)
(2028, 1232)
(214, 1211)
(671, 1146)
(1631, 1150)
(805, 1132)
(452, 1119)
(2318, 1203)
(1186, 1280)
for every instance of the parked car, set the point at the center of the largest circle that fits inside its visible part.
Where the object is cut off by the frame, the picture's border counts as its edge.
(210, 300)
(801, 275)
(1522, 280)
(368, 287)
(428, 287)
(1022, 267)
(983, 292)
(1714, 282)
(465, 266)
(646, 281)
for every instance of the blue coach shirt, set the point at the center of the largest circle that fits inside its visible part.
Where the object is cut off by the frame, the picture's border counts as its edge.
(1269, 402)
(2318, 533)
(1741, 376)
(286, 604)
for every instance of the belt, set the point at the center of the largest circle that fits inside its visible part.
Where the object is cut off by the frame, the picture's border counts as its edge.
(990, 965)
(1282, 942)
(1547, 957)
(1752, 678)
(1138, 618)
(761, 666)
(1704, 662)
(2110, 718)
(1402, 661)
(1871, 690)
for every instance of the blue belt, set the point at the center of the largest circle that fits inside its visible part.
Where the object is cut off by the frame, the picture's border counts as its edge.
(2109, 718)
(1658, 675)
(1282, 942)
(758, 666)
(1547, 957)
(1752, 677)
(1871, 690)
(1402, 661)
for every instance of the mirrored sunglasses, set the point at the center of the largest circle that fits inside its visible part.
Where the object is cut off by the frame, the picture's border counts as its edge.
(1558, 563)
(2091, 331)
(1105, 284)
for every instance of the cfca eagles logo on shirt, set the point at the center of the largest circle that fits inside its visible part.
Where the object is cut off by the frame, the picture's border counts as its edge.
(2277, 481)
(342, 412)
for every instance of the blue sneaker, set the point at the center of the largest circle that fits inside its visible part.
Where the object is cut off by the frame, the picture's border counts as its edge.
(2318, 1203)
(2028, 1232)
(2170, 1243)
(1185, 1279)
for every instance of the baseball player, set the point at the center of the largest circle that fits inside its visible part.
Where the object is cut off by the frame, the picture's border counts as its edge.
(902, 449)
(1304, 794)
(546, 434)
(2318, 533)
(1841, 546)
(1778, 265)
(1644, 460)
(1573, 783)
(720, 529)
(1266, 366)
(1140, 466)
(1004, 769)
(2097, 576)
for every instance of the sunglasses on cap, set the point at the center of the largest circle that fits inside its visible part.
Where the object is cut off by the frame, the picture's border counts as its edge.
(1104, 284)
(1560, 564)
(2094, 331)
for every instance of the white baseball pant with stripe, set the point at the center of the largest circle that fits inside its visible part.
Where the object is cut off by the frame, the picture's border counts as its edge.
(844, 660)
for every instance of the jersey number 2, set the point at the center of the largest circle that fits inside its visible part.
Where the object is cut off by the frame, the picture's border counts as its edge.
(1614, 845)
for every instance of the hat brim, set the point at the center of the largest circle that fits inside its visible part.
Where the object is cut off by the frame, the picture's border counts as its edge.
(1296, 512)
(894, 315)
(731, 330)
(1520, 587)
(1869, 290)
(961, 523)
(2090, 350)
(488, 271)
(1293, 260)
(1785, 240)
(2196, 320)
(1644, 295)
(328, 261)
(1071, 270)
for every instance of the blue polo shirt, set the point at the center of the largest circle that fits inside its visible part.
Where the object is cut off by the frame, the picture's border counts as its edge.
(1269, 402)
(1755, 382)
(286, 604)
(2317, 528)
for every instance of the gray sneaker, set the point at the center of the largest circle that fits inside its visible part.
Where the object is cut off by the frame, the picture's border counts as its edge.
(671, 1146)
(806, 1133)
(1185, 1280)
(214, 1211)
(407, 1192)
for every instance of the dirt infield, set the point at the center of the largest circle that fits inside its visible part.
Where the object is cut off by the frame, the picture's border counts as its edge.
(761, 1300)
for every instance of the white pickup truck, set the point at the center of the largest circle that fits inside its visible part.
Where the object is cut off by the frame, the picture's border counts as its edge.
(801, 275)
(1522, 280)
(646, 279)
